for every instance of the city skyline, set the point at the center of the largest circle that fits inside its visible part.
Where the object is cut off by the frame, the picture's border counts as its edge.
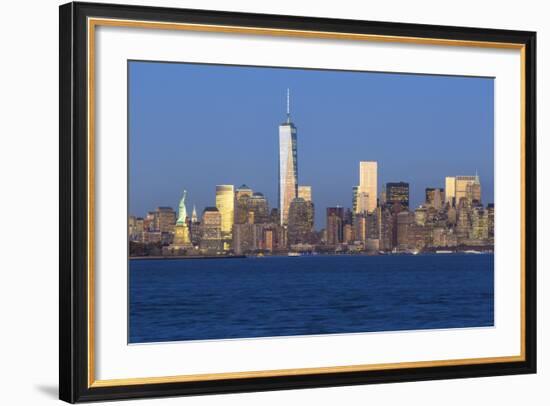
(328, 190)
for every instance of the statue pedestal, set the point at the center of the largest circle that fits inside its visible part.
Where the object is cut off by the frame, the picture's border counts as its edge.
(182, 238)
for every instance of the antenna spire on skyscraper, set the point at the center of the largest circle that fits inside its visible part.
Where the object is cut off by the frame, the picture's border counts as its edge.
(288, 105)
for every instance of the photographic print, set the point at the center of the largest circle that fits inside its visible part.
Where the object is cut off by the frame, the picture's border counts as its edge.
(273, 202)
(259, 202)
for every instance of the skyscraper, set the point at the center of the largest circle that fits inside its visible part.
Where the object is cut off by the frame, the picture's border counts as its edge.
(225, 203)
(368, 186)
(243, 190)
(300, 221)
(166, 219)
(259, 208)
(288, 164)
(467, 187)
(354, 208)
(434, 197)
(459, 187)
(242, 204)
(194, 218)
(335, 225)
(397, 192)
(211, 236)
(450, 190)
(304, 192)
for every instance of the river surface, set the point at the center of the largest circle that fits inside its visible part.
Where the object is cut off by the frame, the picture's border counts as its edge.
(198, 299)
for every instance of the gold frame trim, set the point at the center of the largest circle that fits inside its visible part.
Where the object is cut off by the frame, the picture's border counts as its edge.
(94, 22)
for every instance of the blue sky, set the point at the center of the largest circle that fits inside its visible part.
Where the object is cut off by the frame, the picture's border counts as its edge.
(194, 126)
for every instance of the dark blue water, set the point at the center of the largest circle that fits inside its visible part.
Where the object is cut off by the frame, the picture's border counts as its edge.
(173, 300)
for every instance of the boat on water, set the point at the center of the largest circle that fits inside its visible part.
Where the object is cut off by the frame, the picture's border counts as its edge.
(444, 252)
(294, 254)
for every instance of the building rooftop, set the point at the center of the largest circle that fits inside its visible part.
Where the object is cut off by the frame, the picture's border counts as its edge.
(165, 208)
(211, 208)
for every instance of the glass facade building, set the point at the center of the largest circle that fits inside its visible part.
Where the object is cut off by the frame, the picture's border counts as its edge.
(397, 192)
(288, 168)
(225, 203)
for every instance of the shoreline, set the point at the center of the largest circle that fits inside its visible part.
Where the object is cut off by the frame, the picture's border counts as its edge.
(188, 257)
(178, 257)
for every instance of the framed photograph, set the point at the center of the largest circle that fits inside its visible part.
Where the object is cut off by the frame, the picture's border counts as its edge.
(255, 202)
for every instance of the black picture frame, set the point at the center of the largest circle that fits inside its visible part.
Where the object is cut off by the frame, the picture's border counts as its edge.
(73, 255)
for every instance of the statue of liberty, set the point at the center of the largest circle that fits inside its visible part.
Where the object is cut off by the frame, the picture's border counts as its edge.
(181, 235)
(182, 210)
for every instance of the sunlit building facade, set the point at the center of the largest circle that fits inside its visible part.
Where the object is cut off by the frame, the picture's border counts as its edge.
(225, 203)
(288, 166)
(435, 197)
(450, 190)
(467, 187)
(304, 192)
(368, 187)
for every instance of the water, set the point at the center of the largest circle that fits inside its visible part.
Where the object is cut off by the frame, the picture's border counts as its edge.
(197, 299)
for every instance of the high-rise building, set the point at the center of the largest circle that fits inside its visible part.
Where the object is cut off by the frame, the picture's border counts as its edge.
(435, 197)
(257, 204)
(166, 219)
(242, 193)
(225, 203)
(304, 192)
(421, 215)
(211, 234)
(473, 192)
(467, 187)
(254, 206)
(450, 190)
(300, 221)
(248, 237)
(348, 217)
(269, 239)
(243, 190)
(383, 199)
(135, 228)
(288, 164)
(372, 225)
(354, 192)
(274, 216)
(348, 233)
(362, 202)
(386, 230)
(150, 222)
(480, 224)
(404, 221)
(194, 217)
(360, 227)
(459, 187)
(397, 192)
(335, 225)
(463, 219)
(368, 186)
